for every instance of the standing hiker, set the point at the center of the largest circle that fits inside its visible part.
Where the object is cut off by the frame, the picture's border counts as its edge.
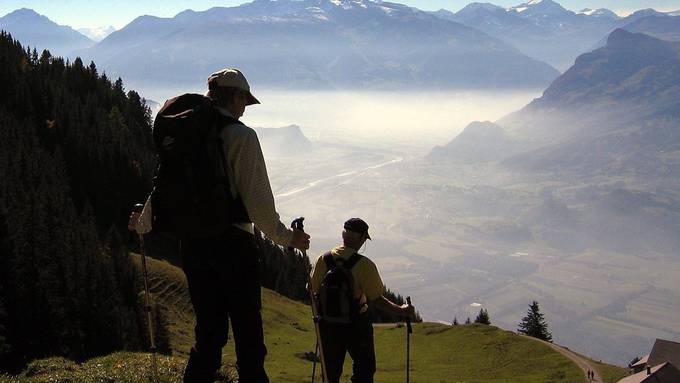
(346, 282)
(220, 257)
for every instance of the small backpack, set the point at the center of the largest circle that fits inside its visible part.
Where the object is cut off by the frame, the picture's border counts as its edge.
(336, 294)
(191, 197)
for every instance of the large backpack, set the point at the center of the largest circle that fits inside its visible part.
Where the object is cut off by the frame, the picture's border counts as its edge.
(191, 197)
(336, 294)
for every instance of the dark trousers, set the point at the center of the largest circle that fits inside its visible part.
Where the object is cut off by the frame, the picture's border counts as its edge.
(224, 284)
(355, 338)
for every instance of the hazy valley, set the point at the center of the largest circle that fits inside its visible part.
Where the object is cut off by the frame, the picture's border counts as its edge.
(484, 185)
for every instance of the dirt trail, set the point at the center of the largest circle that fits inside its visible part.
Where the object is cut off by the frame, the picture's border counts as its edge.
(581, 362)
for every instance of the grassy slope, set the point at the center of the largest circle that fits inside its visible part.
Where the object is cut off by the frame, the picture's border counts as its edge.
(439, 353)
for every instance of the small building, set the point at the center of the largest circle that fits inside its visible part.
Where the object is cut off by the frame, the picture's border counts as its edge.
(664, 351)
(661, 365)
(663, 373)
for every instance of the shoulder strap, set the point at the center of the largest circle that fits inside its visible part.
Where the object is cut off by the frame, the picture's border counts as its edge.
(351, 261)
(328, 260)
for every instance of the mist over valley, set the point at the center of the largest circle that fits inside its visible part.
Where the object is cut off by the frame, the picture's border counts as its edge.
(499, 155)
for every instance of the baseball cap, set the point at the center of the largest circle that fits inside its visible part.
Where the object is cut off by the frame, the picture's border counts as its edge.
(233, 78)
(357, 225)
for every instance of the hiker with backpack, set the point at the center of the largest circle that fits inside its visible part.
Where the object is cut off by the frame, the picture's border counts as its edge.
(345, 283)
(210, 189)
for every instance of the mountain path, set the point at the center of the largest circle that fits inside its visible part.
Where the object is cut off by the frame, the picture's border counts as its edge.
(580, 361)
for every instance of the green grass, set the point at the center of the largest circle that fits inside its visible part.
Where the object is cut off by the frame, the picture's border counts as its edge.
(439, 353)
(124, 367)
(609, 373)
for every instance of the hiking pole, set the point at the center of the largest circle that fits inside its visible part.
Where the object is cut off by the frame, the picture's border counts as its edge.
(409, 331)
(138, 208)
(297, 224)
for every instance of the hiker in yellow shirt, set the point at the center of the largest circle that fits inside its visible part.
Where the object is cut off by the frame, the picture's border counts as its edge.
(346, 283)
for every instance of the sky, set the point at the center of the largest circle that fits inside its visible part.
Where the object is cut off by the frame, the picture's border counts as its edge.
(89, 13)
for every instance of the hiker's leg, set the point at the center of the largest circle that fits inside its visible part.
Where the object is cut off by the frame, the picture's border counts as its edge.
(243, 286)
(362, 351)
(209, 304)
(334, 341)
(250, 348)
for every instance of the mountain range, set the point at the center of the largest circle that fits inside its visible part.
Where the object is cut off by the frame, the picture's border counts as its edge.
(543, 29)
(39, 32)
(319, 44)
(339, 44)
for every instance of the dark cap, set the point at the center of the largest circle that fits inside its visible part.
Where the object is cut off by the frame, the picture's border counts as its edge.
(357, 225)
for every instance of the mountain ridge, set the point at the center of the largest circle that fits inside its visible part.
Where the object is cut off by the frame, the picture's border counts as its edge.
(38, 31)
(357, 44)
(544, 29)
(630, 85)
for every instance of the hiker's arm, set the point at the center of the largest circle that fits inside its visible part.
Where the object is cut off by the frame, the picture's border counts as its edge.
(252, 184)
(373, 287)
(386, 305)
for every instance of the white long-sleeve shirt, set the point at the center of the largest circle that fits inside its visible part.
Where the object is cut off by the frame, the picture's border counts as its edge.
(248, 179)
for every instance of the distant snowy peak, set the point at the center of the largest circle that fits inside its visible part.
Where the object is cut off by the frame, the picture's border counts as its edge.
(482, 6)
(539, 8)
(600, 12)
(349, 4)
(97, 33)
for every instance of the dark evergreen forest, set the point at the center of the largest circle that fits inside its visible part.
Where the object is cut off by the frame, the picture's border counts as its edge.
(75, 152)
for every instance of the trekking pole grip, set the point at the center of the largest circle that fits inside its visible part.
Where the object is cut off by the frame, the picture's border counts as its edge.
(297, 224)
(138, 208)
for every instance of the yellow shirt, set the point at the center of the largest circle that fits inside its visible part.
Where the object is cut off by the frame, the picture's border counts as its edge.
(367, 282)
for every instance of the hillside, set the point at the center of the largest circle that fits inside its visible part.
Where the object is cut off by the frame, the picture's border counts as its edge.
(472, 353)
(614, 110)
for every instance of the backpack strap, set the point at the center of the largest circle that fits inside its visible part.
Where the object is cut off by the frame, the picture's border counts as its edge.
(352, 260)
(348, 264)
(328, 260)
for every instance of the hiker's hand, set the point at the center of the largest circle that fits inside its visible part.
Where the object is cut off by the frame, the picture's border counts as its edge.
(409, 311)
(300, 240)
(134, 219)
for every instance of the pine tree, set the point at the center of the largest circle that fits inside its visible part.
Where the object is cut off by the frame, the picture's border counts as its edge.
(455, 321)
(483, 317)
(467, 321)
(534, 324)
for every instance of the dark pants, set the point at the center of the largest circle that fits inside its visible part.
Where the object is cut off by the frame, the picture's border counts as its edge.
(355, 338)
(224, 284)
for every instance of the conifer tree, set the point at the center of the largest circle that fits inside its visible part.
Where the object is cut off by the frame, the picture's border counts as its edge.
(467, 321)
(483, 317)
(534, 324)
(455, 321)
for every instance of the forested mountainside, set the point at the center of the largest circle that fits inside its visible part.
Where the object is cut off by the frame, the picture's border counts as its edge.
(75, 151)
